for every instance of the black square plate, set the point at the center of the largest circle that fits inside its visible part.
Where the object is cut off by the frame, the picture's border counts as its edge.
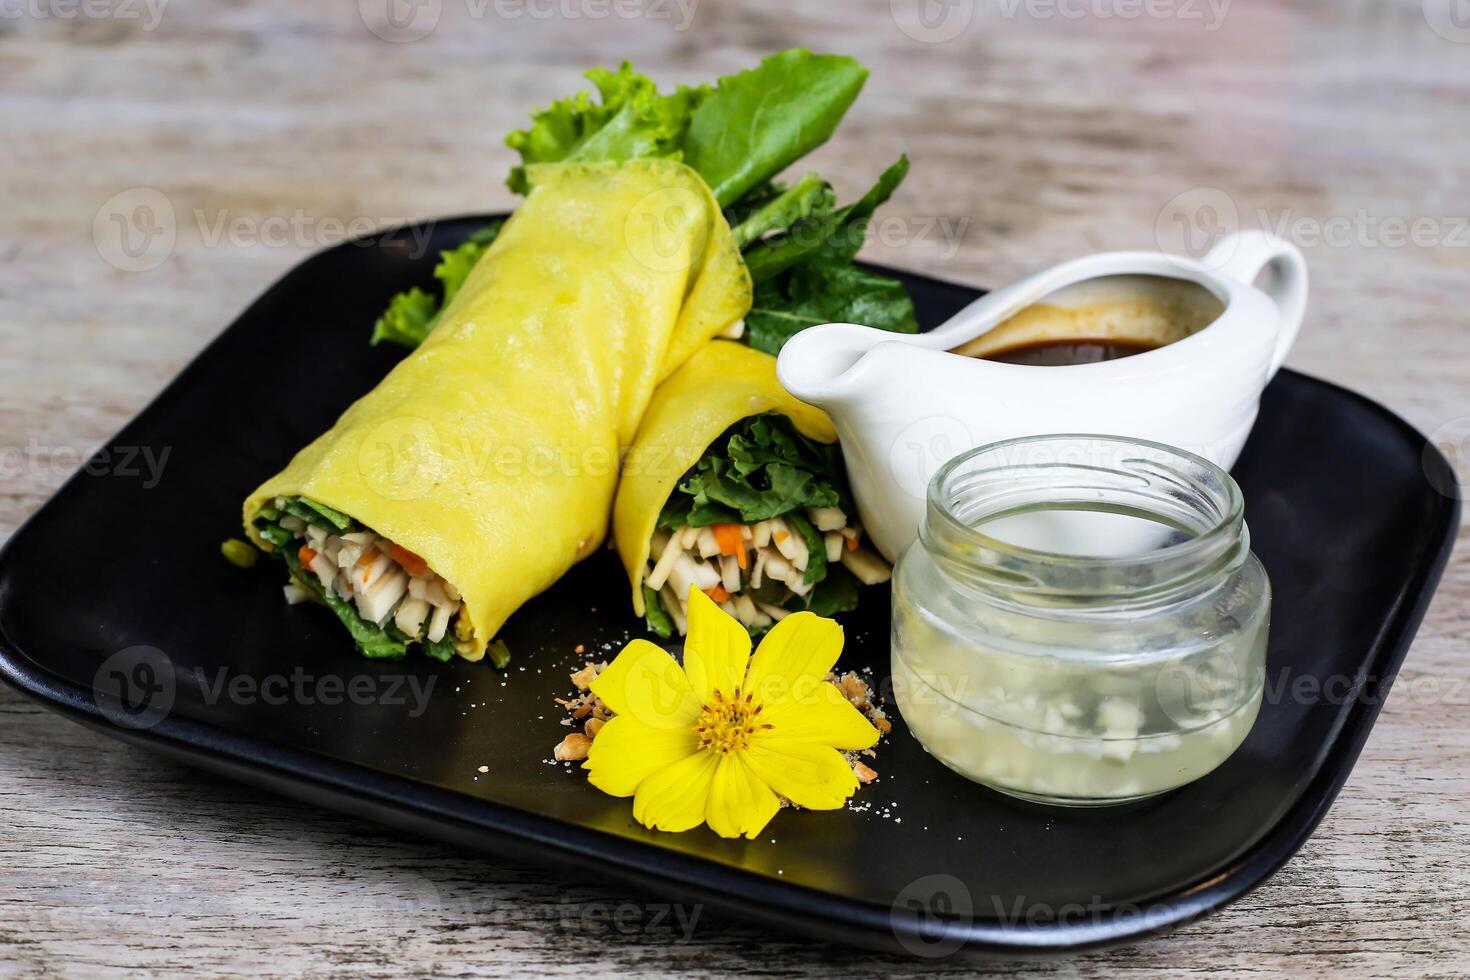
(117, 610)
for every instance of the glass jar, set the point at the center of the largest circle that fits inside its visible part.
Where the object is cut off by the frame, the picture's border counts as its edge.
(1081, 620)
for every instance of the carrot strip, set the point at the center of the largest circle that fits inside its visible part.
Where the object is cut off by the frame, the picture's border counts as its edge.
(306, 554)
(851, 543)
(717, 593)
(411, 562)
(728, 537)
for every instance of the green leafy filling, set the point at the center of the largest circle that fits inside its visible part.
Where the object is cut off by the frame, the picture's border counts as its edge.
(376, 642)
(760, 468)
(655, 615)
(373, 641)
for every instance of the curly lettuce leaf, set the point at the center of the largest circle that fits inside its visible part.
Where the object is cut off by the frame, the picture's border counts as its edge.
(407, 320)
(631, 121)
(758, 122)
(411, 315)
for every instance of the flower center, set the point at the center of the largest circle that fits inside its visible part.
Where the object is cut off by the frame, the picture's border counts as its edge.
(726, 724)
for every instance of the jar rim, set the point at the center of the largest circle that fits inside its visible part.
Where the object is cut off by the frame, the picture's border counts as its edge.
(1221, 538)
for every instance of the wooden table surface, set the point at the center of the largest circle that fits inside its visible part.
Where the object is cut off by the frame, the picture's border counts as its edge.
(1038, 130)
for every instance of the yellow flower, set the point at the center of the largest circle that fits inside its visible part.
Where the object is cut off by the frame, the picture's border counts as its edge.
(725, 738)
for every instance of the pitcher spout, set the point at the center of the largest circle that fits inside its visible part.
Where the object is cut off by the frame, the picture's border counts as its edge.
(820, 365)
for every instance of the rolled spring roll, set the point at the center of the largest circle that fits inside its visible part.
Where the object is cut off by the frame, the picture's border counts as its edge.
(724, 414)
(484, 465)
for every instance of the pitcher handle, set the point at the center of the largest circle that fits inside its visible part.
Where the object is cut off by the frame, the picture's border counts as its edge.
(1244, 256)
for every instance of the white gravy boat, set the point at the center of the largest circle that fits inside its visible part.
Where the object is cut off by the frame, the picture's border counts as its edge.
(906, 404)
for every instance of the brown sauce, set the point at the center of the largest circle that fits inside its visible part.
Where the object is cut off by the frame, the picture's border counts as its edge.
(1057, 353)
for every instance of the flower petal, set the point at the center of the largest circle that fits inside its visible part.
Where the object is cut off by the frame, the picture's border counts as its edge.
(794, 657)
(626, 752)
(808, 775)
(676, 798)
(647, 683)
(716, 649)
(823, 717)
(739, 803)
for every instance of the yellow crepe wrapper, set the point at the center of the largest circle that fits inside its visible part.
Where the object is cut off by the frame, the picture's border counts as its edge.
(492, 450)
(721, 384)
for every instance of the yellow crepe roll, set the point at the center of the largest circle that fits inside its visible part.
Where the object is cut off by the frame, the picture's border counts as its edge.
(484, 465)
(770, 557)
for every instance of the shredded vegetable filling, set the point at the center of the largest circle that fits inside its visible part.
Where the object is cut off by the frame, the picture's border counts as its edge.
(756, 572)
(386, 595)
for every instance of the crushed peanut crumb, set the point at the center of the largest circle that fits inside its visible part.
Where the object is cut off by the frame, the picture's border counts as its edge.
(583, 678)
(573, 748)
(860, 696)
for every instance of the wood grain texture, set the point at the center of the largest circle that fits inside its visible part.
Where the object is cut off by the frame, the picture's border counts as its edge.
(1034, 137)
